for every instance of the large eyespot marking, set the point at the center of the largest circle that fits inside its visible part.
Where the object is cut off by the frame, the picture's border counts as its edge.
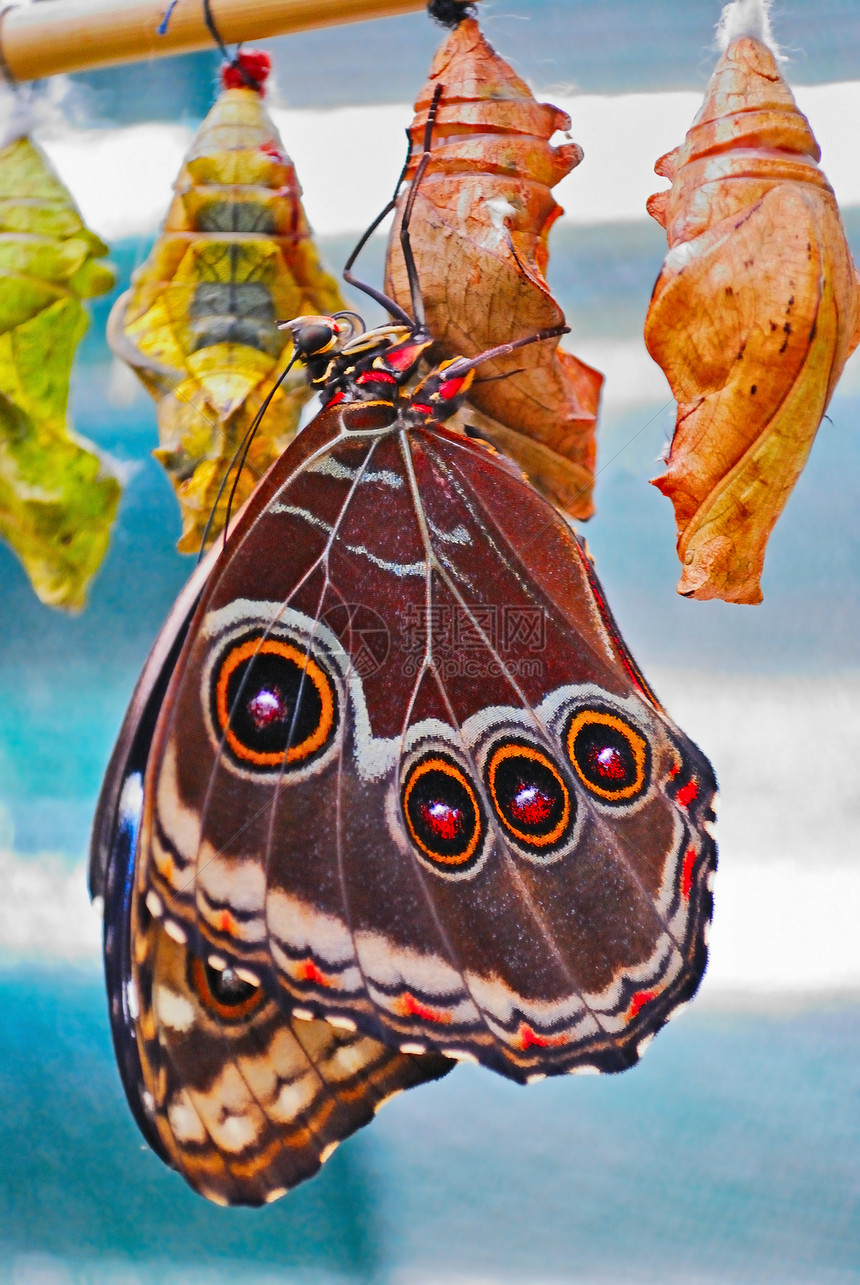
(223, 994)
(442, 812)
(274, 704)
(529, 795)
(610, 757)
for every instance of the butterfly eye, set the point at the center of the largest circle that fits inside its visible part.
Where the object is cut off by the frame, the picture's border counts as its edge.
(611, 759)
(224, 994)
(529, 795)
(273, 704)
(442, 812)
(315, 339)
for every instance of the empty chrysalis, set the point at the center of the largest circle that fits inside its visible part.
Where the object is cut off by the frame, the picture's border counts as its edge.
(754, 313)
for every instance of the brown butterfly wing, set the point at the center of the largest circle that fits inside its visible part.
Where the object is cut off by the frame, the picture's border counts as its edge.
(491, 842)
(242, 1098)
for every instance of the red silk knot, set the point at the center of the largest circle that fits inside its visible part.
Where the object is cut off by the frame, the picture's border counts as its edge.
(639, 1000)
(255, 63)
(687, 794)
(687, 873)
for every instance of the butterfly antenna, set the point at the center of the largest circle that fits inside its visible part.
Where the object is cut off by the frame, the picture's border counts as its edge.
(240, 455)
(462, 365)
(391, 306)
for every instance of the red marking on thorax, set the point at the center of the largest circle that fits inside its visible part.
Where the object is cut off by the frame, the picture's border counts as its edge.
(376, 377)
(450, 388)
(445, 822)
(403, 358)
(687, 873)
(422, 408)
(687, 794)
(639, 1000)
(307, 971)
(226, 923)
(414, 1008)
(531, 804)
(338, 397)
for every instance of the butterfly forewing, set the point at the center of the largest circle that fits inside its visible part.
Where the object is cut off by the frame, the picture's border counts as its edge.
(243, 1097)
(409, 774)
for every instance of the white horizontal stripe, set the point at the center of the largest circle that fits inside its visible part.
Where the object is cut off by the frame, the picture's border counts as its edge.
(121, 178)
(780, 927)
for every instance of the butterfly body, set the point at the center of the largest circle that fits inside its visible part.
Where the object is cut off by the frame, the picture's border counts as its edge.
(391, 793)
(407, 776)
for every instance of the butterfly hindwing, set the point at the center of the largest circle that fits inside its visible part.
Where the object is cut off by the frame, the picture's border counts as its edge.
(411, 777)
(247, 1104)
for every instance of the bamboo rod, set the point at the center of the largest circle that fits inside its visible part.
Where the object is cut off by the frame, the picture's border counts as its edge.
(56, 36)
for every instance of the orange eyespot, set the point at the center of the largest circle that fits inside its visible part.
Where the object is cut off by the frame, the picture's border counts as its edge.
(442, 812)
(223, 994)
(529, 795)
(610, 757)
(273, 704)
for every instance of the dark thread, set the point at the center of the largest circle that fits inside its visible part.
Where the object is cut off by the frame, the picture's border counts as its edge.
(235, 61)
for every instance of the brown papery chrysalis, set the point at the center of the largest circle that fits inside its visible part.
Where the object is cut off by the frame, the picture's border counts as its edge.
(753, 315)
(479, 232)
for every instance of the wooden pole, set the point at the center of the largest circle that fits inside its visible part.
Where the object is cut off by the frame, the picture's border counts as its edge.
(56, 36)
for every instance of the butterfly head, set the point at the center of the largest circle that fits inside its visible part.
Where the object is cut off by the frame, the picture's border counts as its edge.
(367, 369)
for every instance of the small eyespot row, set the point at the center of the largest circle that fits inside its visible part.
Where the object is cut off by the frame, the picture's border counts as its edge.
(528, 790)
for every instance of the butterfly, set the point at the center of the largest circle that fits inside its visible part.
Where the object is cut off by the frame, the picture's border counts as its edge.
(391, 793)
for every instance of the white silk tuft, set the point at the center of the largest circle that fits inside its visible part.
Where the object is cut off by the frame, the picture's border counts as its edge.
(747, 18)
